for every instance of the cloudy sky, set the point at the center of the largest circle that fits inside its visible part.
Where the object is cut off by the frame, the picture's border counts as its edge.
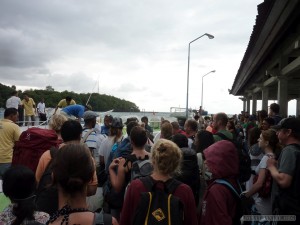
(135, 49)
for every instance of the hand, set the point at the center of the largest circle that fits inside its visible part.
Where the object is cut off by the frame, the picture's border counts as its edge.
(271, 162)
(115, 163)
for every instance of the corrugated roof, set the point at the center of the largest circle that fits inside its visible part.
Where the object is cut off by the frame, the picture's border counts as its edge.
(264, 10)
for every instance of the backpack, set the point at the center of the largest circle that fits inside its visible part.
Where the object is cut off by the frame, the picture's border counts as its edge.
(31, 145)
(46, 193)
(244, 204)
(244, 160)
(163, 207)
(189, 172)
(139, 167)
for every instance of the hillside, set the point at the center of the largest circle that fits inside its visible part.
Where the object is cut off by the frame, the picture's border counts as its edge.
(99, 102)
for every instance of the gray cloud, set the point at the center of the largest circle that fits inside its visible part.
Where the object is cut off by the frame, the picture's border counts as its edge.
(138, 49)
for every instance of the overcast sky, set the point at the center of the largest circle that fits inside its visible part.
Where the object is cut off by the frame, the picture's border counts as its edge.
(136, 49)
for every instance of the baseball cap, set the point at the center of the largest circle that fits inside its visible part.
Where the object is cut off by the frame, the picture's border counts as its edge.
(288, 123)
(89, 115)
(117, 123)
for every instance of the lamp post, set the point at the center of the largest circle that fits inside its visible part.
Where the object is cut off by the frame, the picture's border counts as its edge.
(188, 71)
(202, 88)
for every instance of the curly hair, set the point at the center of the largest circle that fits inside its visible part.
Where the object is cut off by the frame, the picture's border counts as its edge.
(56, 122)
(166, 157)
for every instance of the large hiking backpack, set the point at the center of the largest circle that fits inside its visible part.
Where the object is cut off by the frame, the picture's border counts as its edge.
(189, 172)
(244, 204)
(31, 145)
(244, 160)
(46, 193)
(159, 205)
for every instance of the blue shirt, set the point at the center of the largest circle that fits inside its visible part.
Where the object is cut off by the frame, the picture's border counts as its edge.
(104, 130)
(74, 110)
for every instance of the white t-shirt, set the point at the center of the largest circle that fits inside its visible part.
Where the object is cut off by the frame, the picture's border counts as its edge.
(105, 148)
(263, 205)
(13, 102)
(41, 107)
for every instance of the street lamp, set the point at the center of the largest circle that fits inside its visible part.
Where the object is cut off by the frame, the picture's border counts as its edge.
(202, 88)
(188, 71)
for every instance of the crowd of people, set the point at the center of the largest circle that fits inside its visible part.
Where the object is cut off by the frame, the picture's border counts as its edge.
(188, 173)
(28, 109)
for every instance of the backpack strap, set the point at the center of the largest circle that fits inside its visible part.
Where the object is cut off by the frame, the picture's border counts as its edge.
(87, 134)
(148, 182)
(223, 136)
(229, 186)
(53, 152)
(170, 185)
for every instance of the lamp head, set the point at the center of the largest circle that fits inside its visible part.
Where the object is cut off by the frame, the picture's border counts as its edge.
(209, 36)
(213, 71)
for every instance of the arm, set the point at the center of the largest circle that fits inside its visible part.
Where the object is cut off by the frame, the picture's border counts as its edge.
(258, 184)
(43, 163)
(34, 105)
(92, 186)
(117, 179)
(283, 180)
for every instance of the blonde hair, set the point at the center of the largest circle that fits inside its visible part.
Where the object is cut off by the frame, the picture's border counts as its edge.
(56, 122)
(166, 157)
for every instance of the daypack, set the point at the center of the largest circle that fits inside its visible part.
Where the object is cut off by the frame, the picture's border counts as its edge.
(189, 172)
(159, 205)
(244, 204)
(139, 167)
(46, 193)
(31, 145)
(244, 160)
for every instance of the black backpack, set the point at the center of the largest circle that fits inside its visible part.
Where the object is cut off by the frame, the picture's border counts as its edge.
(244, 159)
(244, 204)
(163, 207)
(189, 172)
(47, 194)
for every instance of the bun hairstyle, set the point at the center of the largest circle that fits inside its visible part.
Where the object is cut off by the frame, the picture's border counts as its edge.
(73, 168)
(166, 157)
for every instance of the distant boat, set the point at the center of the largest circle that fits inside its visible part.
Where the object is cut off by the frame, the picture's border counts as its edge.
(180, 113)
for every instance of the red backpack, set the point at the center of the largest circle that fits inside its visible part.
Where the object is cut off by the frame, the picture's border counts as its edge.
(31, 145)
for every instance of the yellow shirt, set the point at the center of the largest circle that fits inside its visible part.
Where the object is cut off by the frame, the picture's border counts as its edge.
(9, 133)
(29, 106)
(63, 103)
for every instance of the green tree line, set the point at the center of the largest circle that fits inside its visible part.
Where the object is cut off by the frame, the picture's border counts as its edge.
(99, 102)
